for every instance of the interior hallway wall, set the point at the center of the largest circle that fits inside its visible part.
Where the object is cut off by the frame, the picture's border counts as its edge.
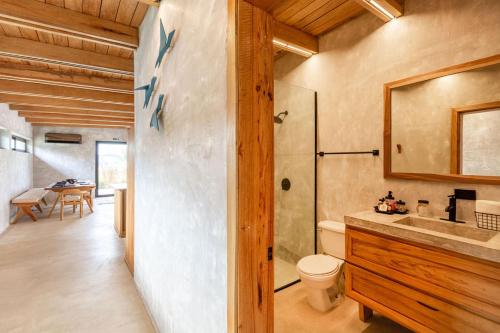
(180, 171)
(59, 161)
(16, 168)
(354, 62)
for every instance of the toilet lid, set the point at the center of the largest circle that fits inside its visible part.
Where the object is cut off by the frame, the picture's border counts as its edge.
(319, 264)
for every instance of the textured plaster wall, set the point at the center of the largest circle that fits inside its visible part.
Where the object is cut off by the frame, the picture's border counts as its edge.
(180, 213)
(58, 161)
(421, 117)
(294, 159)
(481, 143)
(355, 61)
(16, 168)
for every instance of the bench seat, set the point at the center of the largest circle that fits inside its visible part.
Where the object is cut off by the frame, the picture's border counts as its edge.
(27, 200)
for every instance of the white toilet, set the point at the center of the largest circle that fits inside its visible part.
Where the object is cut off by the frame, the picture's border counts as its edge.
(322, 271)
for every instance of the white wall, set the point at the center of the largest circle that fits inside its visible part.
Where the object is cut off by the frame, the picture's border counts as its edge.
(58, 161)
(180, 173)
(16, 168)
(354, 62)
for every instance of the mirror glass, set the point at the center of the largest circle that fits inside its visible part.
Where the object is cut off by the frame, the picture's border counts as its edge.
(448, 125)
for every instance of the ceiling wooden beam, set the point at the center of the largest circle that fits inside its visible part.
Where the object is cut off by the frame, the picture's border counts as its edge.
(58, 20)
(44, 110)
(63, 103)
(267, 5)
(48, 115)
(46, 90)
(394, 7)
(22, 48)
(30, 73)
(77, 125)
(155, 3)
(295, 37)
(41, 120)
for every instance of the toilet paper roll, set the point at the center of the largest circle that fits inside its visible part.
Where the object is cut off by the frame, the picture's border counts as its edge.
(487, 206)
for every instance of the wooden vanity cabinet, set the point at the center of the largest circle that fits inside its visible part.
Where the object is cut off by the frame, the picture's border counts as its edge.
(423, 288)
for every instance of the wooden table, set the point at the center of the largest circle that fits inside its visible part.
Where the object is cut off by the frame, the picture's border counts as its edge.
(86, 187)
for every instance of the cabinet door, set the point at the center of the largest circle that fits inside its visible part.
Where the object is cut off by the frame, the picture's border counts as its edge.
(470, 284)
(411, 308)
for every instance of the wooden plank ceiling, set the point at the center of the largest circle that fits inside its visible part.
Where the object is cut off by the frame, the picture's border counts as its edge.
(70, 62)
(317, 17)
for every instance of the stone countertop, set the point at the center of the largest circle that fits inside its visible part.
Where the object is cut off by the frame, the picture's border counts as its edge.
(385, 224)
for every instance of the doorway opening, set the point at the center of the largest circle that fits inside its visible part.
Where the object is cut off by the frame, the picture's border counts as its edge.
(110, 167)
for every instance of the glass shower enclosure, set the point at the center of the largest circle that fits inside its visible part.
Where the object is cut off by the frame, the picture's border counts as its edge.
(294, 179)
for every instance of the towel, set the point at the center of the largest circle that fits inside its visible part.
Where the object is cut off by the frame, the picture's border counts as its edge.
(487, 206)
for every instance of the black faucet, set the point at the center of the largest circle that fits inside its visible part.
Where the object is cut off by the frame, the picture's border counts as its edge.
(452, 208)
(452, 205)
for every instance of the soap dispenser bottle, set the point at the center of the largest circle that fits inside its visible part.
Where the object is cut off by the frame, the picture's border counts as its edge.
(391, 202)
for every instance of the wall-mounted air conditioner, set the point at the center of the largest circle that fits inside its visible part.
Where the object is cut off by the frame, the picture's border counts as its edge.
(63, 138)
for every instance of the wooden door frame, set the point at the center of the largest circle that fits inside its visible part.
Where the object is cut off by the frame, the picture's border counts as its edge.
(250, 162)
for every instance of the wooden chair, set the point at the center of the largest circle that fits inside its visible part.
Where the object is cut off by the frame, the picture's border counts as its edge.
(71, 197)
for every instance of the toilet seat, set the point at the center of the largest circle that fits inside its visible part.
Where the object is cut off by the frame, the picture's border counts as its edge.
(319, 265)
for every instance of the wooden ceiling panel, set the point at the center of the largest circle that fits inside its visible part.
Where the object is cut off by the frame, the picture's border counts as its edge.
(290, 8)
(82, 124)
(312, 16)
(139, 14)
(126, 11)
(332, 19)
(41, 120)
(75, 5)
(27, 49)
(63, 103)
(15, 87)
(81, 112)
(297, 14)
(109, 9)
(56, 66)
(58, 3)
(91, 7)
(49, 115)
(11, 30)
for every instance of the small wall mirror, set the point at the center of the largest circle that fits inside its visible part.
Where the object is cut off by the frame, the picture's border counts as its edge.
(445, 125)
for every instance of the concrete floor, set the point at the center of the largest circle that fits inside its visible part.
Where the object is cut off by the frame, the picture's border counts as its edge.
(68, 276)
(292, 314)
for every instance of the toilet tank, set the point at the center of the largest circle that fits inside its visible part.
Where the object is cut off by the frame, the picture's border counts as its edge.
(332, 238)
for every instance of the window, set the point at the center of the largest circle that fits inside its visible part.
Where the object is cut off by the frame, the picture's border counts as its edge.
(19, 144)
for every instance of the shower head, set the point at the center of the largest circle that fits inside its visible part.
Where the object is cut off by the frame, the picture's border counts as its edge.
(278, 120)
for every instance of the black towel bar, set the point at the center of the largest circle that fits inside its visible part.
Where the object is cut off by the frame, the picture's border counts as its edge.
(374, 152)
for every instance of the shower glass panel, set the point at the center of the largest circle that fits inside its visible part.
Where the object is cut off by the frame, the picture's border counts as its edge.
(294, 179)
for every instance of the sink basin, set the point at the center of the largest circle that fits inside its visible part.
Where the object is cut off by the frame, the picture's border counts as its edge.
(449, 228)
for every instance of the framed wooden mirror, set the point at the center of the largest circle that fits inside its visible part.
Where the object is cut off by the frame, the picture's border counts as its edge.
(445, 125)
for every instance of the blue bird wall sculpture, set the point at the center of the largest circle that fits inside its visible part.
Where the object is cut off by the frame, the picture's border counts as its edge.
(155, 117)
(149, 88)
(165, 43)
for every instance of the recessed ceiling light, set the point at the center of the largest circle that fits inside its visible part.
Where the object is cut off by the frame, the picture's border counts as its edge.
(381, 9)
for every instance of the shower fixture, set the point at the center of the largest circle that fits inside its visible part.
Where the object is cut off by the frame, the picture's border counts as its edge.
(278, 119)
